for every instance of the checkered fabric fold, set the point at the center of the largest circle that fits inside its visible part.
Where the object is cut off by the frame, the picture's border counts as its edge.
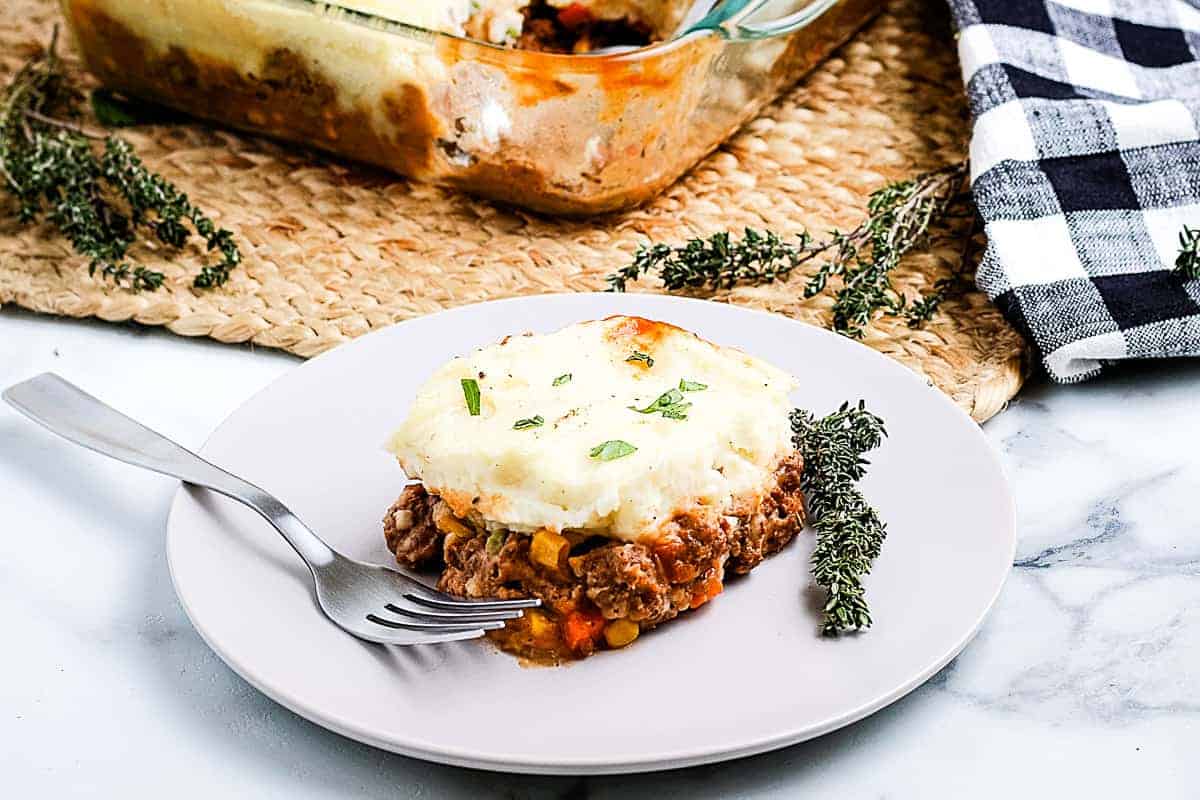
(1085, 165)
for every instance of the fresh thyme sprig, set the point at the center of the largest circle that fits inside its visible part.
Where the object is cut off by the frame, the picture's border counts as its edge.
(849, 532)
(923, 308)
(898, 219)
(718, 262)
(1188, 262)
(91, 186)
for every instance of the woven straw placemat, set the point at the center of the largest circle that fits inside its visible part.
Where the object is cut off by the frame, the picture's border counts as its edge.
(333, 250)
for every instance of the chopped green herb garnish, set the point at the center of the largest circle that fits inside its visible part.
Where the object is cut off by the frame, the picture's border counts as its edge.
(529, 422)
(496, 541)
(471, 392)
(638, 355)
(667, 398)
(612, 449)
(561, 379)
(691, 386)
(670, 404)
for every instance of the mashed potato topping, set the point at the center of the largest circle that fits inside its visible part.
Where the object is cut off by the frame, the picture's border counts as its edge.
(555, 443)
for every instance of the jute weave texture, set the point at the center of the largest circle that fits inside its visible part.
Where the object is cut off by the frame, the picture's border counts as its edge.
(334, 250)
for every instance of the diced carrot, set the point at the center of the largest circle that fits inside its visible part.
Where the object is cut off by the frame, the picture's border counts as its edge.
(574, 15)
(581, 629)
(711, 588)
(668, 551)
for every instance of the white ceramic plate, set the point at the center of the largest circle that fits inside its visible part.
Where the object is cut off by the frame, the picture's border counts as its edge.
(745, 674)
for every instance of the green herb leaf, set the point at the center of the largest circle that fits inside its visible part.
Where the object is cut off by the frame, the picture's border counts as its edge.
(561, 379)
(667, 398)
(691, 386)
(850, 533)
(670, 404)
(470, 389)
(677, 411)
(495, 541)
(612, 449)
(637, 356)
(530, 422)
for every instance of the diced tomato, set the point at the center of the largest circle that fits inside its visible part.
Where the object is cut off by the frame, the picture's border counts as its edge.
(575, 15)
(581, 629)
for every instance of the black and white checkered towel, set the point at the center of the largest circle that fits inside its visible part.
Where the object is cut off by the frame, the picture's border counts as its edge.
(1085, 162)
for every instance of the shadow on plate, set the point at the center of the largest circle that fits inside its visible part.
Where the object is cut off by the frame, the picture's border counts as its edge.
(265, 744)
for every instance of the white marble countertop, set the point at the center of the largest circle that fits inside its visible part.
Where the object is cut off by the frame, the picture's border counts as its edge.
(1085, 681)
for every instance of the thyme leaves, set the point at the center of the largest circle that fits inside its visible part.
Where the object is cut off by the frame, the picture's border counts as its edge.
(849, 531)
(860, 262)
(91, 186)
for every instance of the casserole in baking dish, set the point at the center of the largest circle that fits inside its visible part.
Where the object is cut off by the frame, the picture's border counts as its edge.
(526, 112)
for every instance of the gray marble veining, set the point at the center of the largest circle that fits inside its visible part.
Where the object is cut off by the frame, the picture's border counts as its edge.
(1084, 682)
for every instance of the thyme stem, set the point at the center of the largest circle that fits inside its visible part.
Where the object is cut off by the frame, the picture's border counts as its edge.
(899, 217)
(850, 533)
(58, 123)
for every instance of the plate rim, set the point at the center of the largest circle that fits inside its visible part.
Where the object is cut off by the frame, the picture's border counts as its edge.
(599, 765)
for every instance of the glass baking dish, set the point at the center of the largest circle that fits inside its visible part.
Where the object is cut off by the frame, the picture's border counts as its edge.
(560, 134)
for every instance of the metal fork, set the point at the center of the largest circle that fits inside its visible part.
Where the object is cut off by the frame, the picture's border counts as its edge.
(371, 602)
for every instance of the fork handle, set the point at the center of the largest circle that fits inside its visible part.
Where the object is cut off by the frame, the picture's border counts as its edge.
(72, 413)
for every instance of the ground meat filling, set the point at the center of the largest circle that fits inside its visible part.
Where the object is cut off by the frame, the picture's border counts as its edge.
(574, 30)
(596, 586)
(409, 530)
(772, 523)
(471, 571)
(625, 582)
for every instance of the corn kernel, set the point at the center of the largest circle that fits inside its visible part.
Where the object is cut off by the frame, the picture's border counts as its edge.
(620, 632)
(446, 522)
(548, 548)
(540, 625)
